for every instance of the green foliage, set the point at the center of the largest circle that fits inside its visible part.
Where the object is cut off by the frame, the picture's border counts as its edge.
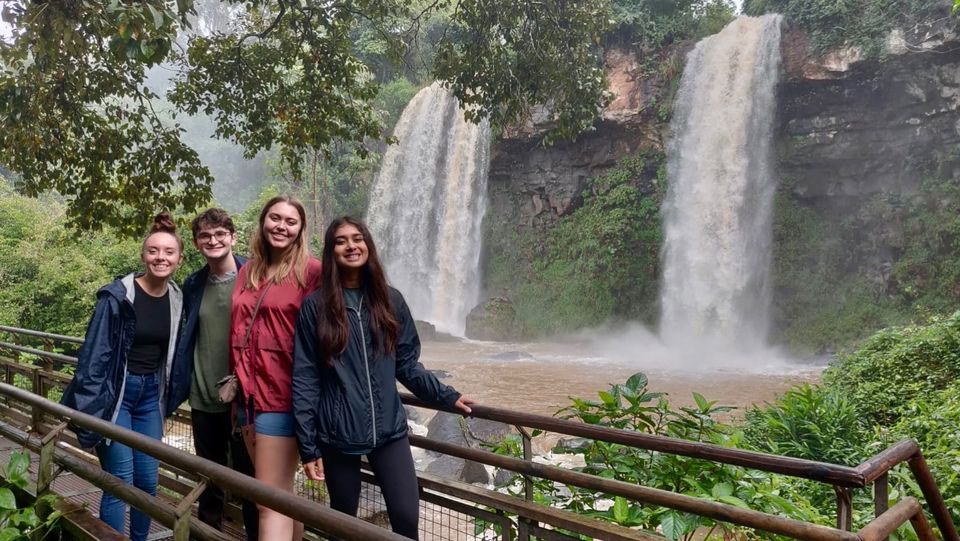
(924, 230)
(897, 364)
(653, 24)
(289, 78)
(599, 262)
(22, 523)
(827, 292)
(77, 117)
(48, 278)
(814, 423)
(833, 23)
(49, 275)
(393, 98)
(901, 383)
(631, 406)
(551, 43)
(932, 420)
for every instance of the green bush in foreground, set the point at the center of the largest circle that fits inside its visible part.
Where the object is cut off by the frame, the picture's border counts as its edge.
(810, 422)
(897, 365)
(632, 406)
(22, 523)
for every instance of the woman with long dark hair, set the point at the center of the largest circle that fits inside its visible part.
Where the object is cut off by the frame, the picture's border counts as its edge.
(355, 339)
(266, 300)
(124, 367)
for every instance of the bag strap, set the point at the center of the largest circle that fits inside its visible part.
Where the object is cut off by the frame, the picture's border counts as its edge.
(246, 340)
(256, 310)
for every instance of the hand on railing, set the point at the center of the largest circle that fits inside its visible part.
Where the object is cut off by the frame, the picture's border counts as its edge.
(463, 404)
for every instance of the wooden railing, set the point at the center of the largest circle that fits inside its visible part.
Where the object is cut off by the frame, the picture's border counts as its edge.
(541, 521)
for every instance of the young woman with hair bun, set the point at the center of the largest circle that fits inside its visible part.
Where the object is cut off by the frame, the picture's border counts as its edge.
(266, 300)
(124, 367)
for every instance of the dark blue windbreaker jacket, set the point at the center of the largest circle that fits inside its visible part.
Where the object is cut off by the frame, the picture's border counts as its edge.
(98, 383)
(193, 288)
(354, 405)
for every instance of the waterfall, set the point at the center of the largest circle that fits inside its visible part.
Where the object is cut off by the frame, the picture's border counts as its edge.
(718, 209)
(427, 205)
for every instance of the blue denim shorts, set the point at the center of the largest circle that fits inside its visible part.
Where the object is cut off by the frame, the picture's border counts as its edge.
(270, 423)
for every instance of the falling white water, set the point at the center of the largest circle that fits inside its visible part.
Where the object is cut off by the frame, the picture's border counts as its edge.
(717, 213)
(427, 206)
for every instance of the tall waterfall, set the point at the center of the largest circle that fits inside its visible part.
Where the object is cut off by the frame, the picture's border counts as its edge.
(718, 209)
(427, 206)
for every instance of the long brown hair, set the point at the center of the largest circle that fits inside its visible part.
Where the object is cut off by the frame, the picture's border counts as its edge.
(293, 260)
(332, 325)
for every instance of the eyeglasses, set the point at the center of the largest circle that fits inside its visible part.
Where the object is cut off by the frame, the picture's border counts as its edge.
(219, 235)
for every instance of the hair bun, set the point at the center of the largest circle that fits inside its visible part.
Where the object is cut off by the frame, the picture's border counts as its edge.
(163, 222)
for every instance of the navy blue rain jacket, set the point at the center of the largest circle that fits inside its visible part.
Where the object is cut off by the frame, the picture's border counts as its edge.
(182, 374)
(97, 386)
(354, 405)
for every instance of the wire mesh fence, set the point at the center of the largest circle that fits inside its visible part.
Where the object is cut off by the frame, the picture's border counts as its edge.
(441, 518)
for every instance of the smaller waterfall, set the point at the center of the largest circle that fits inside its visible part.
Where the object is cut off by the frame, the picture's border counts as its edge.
(718, 209)
(427, 205)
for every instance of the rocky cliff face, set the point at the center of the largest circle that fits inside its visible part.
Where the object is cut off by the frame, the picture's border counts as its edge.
(857, 139)
(850, 128)
(531, 186)
(847, 127)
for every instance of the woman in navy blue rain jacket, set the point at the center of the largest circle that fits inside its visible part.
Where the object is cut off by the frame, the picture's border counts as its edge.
(124, 368)
(355, 338)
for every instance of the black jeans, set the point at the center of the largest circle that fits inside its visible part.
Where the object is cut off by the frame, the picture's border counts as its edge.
(392, 465)
(213, 438)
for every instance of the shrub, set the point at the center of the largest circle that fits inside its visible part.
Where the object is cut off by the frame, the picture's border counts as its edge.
(632, 406)
(932, 419)
(896, 365)
(814, 423)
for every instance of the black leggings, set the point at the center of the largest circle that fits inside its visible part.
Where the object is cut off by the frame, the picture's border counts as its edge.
(392, 465)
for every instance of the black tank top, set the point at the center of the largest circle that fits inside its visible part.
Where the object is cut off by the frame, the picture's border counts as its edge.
(152, 336)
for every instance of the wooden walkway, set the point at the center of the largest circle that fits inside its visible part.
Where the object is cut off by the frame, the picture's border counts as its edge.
(84, 495)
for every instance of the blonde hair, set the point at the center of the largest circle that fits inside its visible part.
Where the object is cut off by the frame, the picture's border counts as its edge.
(293, 260)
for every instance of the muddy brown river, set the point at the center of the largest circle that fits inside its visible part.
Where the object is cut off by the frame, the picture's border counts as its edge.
(540, 377)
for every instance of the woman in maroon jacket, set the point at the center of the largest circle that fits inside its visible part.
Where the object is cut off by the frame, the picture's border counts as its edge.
(266, 301)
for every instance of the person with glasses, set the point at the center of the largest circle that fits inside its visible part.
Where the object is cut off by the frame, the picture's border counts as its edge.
(203, 358)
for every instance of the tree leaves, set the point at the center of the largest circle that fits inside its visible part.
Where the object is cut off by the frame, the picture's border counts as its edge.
(77, 118)
(508, 57)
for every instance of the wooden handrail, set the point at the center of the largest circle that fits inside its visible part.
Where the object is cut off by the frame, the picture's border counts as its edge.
(310, 513)
(699, 506)
(42, 335)
(837, 475)
(795, 467)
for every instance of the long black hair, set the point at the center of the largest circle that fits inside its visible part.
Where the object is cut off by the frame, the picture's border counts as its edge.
(332, 324)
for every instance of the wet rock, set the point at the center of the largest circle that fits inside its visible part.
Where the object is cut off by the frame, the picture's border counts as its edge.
(413, 415)
(441, 374)
(471, 432)
(502, 478)
(429, 333)
(426, 330)
(572, 445)
(495, 320)
(511, 356)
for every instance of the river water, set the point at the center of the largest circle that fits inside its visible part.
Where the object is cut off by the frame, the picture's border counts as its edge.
(539, 377)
